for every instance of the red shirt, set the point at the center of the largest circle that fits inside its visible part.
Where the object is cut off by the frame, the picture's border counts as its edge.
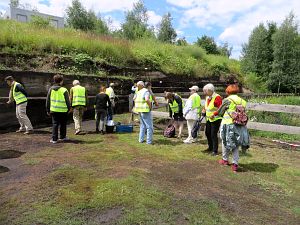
(217, 103)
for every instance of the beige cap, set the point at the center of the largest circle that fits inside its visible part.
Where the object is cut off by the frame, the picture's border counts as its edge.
(195, 88)
(76, 82)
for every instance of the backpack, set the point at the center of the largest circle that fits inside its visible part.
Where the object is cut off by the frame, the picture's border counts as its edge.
(169, 132)
(239, 116)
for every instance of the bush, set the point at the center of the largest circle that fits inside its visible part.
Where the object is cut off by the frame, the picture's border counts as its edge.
(187, 60)
(40, 21)
(254, 83)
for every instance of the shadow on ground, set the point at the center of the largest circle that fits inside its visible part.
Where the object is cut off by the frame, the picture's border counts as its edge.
(9, 154)
(259, 167)
(3, 169)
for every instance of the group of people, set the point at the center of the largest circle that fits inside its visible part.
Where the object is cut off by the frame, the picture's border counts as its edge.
(217, 111)
(59, 103)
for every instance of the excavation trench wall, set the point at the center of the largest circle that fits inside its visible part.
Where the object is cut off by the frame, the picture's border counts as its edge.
(38, 83)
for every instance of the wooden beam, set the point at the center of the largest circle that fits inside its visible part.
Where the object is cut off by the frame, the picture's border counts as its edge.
(273, 128)
(256, 106)
(274, 108)
(251, 125)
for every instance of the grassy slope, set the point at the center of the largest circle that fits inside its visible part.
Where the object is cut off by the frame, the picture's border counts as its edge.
(185, 60)
(168, 183)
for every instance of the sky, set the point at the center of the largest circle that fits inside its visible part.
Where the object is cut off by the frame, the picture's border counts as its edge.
(225, 20)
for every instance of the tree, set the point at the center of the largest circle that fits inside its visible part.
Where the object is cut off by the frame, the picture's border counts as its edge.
(284, 76)
(225, 49)
(79, 18)
(181, 42)
(14, 3)
(99, 26)
(166, 31)
(40, 21)
(258, 53)
(208, 44)
(135, 25)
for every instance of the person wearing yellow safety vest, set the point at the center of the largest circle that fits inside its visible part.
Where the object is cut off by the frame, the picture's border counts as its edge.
(58, 105)
(18, 95)
(213, 102)
(79, 100)
(191, 112)
(143, 107)
(111, 94)
(175, 110)
(229, 132)
(148, 86)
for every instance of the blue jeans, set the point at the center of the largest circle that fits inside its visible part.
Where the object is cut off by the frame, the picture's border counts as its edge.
(146, 126)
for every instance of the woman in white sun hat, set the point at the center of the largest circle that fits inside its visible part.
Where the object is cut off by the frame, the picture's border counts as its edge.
(191, 112)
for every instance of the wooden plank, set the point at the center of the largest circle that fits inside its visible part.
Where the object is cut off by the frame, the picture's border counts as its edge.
(256, 106)
(274, 108)
(251, 125)
(273, 128)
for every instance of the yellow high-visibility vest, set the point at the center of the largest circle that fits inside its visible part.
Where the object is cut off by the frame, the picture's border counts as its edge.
(78, 96)
(196, 101)
(210, 108)
(18, 96)
(140, 102)
(174, 105)
(58, 101)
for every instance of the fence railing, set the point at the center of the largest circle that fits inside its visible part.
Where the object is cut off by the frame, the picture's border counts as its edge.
(251, 124)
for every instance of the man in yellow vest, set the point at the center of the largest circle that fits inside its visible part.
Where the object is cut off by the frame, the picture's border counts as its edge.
(212, 104)
(143, 107)
(191, 112)
(78, 99)
(18, 95)
(175, 110)
(58, 105)
(111, 94)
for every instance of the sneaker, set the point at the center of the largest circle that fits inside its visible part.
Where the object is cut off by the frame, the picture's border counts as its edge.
(224, 162)
(19, 131)
(53, 142)
(28, 132)
(102, 132)
(214, 154)
(187, 142)
(77, 132)
(234, 167)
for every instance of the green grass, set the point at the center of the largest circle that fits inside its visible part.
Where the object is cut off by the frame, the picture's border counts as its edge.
(166, 183)
(86, 49)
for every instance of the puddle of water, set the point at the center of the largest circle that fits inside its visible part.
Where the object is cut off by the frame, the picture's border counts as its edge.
(3, 169)
(9, 154)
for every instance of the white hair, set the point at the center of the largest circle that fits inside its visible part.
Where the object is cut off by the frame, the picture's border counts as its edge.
(112, 84)
(210, 87)
(76, 82)
(141, 83)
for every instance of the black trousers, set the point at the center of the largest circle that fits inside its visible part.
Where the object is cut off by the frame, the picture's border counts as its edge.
(100, 118)
(59, 120)
(211, 132)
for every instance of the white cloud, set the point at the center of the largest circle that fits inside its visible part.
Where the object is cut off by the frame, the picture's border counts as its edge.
(182, 3)
(154, 19)
(58, 7)
(235, 19)
(114, 24)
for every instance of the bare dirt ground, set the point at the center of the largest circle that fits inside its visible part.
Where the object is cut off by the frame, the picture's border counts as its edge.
(243, 199)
